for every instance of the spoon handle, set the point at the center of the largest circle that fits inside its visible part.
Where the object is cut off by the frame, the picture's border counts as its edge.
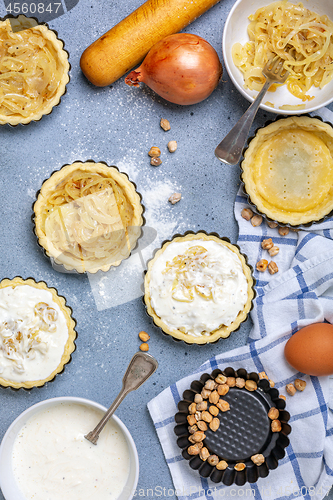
(140, 368)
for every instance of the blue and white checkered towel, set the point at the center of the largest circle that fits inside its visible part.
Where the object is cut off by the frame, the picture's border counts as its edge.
(299, 294)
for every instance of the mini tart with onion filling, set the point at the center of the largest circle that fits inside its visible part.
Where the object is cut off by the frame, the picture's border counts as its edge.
(288, 170)
(88, 217)
(198, 288)
(37, 333)
(34, 71)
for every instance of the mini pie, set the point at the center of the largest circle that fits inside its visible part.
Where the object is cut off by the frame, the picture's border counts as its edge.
(88, 217)
(198, 288)
(37, 333)
(33, 72)
(288, 170)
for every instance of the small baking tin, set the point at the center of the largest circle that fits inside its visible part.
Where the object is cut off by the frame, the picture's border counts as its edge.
(31, 22)
(244, 431)
(253, 291)
(31, 281)
(59, 266)
(247, 195)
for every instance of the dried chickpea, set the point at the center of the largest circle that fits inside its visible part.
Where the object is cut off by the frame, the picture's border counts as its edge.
(231, 381)
(214, 397)
(223, 405)
(283, 231)
(258, 459)
(154, 151)
(210, 384)
(202, 426)
(273, 413)
(240, 382)
(205, 393)
(144, 347)
(240, 466)
(272, 267)
(267, 244)
(206, 416)
(198, 398)
(165, 124)
(222, 465)
(214, 410)
(192, 408)
(276, 426)
(300, 384)
(290, 388)
(214, 424)
(204, 454)
(261, 265)
(247, 213)
(251, 385)
(221, 379)
(202, 406)
(256, 220)
(223, 389)
(144, 336)
(213, 460)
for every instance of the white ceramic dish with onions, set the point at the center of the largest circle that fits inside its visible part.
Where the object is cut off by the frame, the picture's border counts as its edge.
(235, 30)
(55, 414)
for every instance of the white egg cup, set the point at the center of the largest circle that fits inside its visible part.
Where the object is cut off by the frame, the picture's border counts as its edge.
(235, 30)
(8, 484)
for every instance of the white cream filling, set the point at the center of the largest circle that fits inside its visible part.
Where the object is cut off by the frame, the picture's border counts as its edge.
(32, 339)
(197, 290)
(52, 460)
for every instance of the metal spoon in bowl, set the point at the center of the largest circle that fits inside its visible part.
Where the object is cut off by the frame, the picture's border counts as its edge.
(141, 366)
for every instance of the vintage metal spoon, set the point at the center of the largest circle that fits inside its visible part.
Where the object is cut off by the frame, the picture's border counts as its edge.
(141, 366)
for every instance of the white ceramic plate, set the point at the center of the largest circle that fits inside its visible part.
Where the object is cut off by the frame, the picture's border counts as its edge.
(235, 30)
(8, 483)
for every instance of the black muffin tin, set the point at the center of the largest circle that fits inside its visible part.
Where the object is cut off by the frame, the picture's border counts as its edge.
(244, 430)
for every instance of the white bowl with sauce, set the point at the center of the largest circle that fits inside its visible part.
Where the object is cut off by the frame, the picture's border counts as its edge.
(235, 30)
(23, 445)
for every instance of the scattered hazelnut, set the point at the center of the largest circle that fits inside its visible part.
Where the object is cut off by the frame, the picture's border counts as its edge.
(267, 244)
(156, 161)
(210, 384)
(276, 426)
(172, 146)
(247, 213)
(240, 382)
(272, 267)
(144, 347)
(273, 413)
(290, 388)
(258, 459)
(165, 124)
(262, 265)
(273, 251)
(300, 384)
(256, 220)
(213, 460)
(175, 198)
(198, 398)
(222, 465)
(221, 379)
(144, 336)
(205, 393)
(231, 381)
(204, 453)
(283, 231)
(271, 224)
(222, 389)
(154, 151)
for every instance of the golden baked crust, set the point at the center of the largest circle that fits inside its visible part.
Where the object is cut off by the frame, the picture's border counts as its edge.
(70, 344)
(223, 331)
(288, 170)
(88, 193)
(34, 71)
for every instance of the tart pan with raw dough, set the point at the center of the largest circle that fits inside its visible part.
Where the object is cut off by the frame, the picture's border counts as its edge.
(37, 333)
(198, 288)
(88, 217)
(287, 170)
(34, 70)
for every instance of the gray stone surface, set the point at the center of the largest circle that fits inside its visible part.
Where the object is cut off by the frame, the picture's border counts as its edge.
(118, 125)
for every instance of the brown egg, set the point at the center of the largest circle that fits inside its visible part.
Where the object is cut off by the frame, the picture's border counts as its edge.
(310, 350)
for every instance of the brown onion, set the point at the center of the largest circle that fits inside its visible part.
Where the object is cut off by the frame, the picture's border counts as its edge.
(181, 68)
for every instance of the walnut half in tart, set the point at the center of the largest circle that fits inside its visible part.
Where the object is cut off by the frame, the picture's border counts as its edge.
(34, 71)
(288, 170)
(88, 217)
(36, 333)
(198, 288)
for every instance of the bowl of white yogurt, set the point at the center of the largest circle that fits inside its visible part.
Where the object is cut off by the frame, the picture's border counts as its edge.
(44, 454)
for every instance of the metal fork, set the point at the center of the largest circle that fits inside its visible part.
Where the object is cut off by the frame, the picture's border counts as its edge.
(230, 149)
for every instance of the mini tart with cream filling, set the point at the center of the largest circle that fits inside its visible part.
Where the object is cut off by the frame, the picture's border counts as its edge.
(288, 170)
(37, 333)
(198, 288)
(34, 71)
(88, 217)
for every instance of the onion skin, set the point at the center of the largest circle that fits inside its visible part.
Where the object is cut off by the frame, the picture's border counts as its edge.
(182, 68)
